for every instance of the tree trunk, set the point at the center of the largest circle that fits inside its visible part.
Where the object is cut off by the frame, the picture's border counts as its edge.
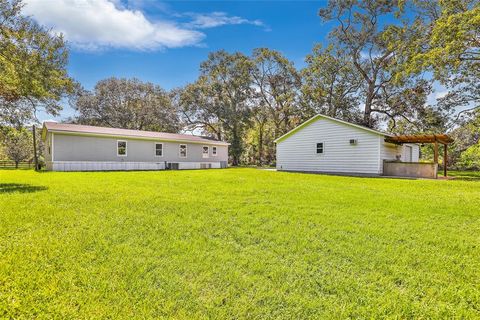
(16, 164)
(35, 157)
(368, 106)
(260, 145)
(236, 150)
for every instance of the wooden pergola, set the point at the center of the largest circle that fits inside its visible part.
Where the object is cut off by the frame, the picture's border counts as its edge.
(426, 138)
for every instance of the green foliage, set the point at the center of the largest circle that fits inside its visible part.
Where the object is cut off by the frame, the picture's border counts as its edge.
(372, 49)
(32, 67)
(126, 103)
(236, 244)
(219, 100)
(331, 84)
(18, 144)
(470, 158)
(445, 40)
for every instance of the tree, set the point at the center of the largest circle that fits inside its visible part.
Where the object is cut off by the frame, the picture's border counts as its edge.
(126, 103)
(219, 100)
(447, 43)
(373, 50)
(276, 85)
(465, 135)
(331, 84)
(18, 145)
(33, 64)
(198, 110)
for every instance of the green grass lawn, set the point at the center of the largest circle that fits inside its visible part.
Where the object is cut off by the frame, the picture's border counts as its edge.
(237, 243)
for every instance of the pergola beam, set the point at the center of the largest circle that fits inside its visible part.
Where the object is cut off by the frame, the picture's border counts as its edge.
(426, 138)
(431, 138)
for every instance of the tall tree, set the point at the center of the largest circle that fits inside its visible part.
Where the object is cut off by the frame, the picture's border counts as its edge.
(446, 41)
(331, 84)
(219, 100)
(33, 63)
(373, 48)
(126, 103)
(276, 85)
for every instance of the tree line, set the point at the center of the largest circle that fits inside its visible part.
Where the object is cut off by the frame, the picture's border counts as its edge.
(377, 68)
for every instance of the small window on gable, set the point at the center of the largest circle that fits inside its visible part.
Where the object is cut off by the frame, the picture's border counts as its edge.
(320, 148)
(214, 151)
(159, 149)
(183, 151)
(121, 148)
(205, 152)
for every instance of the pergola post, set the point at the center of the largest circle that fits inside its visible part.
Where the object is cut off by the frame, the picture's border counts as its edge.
(445, 159)
(435, 153)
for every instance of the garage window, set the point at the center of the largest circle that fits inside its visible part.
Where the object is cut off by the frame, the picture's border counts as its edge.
(320, 148)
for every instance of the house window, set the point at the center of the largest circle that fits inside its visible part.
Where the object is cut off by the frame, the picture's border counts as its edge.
(159, 149)
(183, 151)
(320, 148)
(121, 148)
(49, 147)
(214, 151)
(205, 152)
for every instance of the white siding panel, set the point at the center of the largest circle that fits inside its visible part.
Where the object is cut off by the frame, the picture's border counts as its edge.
(118, 166)
(197, 165)
(105, 166)
(298, 152)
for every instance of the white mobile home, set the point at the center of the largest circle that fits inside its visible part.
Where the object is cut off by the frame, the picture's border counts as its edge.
(72, 147)
(325, 144)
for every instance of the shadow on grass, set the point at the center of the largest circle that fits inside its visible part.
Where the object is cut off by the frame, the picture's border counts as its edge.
(466, 175)
(21, 188)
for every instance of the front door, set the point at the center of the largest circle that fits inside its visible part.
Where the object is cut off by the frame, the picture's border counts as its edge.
(408, 154)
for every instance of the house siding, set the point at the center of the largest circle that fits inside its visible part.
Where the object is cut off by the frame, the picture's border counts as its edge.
(297, 152)
(83, 152)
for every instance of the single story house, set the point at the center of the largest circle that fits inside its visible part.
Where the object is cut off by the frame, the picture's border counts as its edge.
(326, 144)
(73, 147)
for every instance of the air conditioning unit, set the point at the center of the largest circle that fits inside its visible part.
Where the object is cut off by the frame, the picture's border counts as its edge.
(353, 142)
(173, 166)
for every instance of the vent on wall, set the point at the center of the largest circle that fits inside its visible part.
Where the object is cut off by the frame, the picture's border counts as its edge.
(353, 142)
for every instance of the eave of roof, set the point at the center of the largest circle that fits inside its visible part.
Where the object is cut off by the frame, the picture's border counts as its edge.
(321, 116)
(81, 130)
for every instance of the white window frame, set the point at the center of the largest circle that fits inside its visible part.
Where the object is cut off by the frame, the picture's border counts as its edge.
(179, 151)
(323, 148)
(155, 149)
(126, 148)
(214, 151)
(208, 152)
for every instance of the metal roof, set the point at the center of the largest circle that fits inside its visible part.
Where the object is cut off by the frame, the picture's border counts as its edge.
(69, 128)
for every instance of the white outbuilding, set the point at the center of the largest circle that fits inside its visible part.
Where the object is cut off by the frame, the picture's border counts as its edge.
(326, 144)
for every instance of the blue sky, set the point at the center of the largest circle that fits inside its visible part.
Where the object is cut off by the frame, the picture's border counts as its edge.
(164, 42)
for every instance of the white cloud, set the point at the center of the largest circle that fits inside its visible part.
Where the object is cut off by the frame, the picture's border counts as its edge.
(101, 24)
(97, 24)
(216, 19)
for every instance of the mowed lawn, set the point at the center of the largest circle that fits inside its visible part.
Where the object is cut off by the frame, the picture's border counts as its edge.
(237, 243)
